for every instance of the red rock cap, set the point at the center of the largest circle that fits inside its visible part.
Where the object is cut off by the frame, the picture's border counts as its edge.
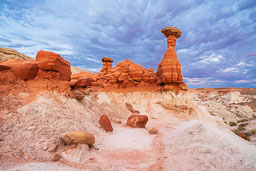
(171, 31)
(107, 59)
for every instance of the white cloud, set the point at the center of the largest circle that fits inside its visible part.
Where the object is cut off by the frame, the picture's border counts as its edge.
(182, 51)
(245, 81)
(93, 60)
(195, 81)
(212, 58)
(217, 81)
(231, 69)
(94, 70)
(243, 64)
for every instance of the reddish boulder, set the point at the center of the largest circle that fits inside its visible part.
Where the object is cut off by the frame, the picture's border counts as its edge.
(26, 70)
(137, 121)
(105, 123)
(50, 61)
(169, 69)
(242, 135)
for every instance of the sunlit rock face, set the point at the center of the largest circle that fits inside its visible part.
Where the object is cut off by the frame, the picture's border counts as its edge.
(169, 69)
(133, 77)
(20, 73)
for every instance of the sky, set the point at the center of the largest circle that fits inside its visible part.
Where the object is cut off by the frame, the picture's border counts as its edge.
(217, 47)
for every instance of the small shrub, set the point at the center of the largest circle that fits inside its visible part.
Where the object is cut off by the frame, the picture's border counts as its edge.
(232, 124)
(236, 131)
(247, 138)
(253, 132)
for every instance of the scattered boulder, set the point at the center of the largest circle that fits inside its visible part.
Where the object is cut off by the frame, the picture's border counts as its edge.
(242, 135)
(129, 107)
(76, 137)
(137, 121)
(105, 123)
(153, 131)
(78, 94)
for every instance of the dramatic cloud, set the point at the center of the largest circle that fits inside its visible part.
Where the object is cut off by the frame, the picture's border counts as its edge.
(216, 49)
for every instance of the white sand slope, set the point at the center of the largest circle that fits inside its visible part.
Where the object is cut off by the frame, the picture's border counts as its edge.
(180, 145)
(197, 145)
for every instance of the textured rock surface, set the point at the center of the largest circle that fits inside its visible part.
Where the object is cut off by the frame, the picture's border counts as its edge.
(78, 94)
(234, 106)
(76, 137)
(169, 69)
(50, 61)
(26, 70)
(39, 123)
(105, 123)
(137, 121)
(48, 72)
(125, 74)
(131, 76)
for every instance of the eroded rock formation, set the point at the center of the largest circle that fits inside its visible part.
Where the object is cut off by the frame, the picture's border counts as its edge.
(131, 76)
(169, 69)
(124, 76)
(48, 72)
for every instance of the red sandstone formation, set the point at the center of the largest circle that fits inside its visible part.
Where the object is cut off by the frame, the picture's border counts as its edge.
(105, 123)
(26, 70)
(130, 76)
(137, 121)
(125, 74)
(107, 64)
(49, 61)
(169, 69)
(48, 72)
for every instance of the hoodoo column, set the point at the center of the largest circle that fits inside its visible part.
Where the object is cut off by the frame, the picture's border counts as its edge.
(169, 70)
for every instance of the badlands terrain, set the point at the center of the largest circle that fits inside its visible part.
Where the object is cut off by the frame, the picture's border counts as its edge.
(126, 117)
